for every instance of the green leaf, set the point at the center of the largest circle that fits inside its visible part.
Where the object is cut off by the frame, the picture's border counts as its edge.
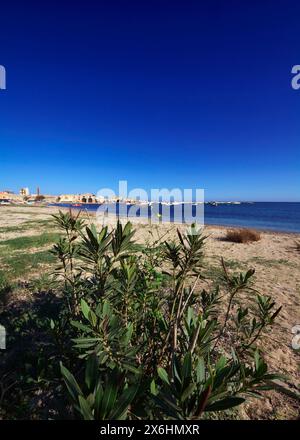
(200, 370)
(92, 318)
(223, 404)
(256, 359)
(91, 371)
(187, 367)
(85, 409)
(98, 400)
(123, 403)
(188, 391)
(71, 383)
(106, 309)
(128, 333)
(170, 408)
(221, 363)
(131, 368)
(109, 397)
(85, 308)
(153, 388)
(82, 327)
(163, 375)
(190, 315)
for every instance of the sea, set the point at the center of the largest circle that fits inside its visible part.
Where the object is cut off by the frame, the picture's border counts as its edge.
(273, 216)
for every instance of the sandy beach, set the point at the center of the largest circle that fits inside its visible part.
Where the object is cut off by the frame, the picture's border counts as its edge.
(274, 257)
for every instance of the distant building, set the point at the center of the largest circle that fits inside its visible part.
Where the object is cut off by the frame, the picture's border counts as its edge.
(24, 192)
(10, 195)
(6, 191)
(88, 198)
(67, 198)
(6, 195)
(78, 198)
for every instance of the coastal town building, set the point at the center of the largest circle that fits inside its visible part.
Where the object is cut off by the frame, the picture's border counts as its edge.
(8, 195)
(91, 198)
(24, 197)
(78, 198)
(24, 192)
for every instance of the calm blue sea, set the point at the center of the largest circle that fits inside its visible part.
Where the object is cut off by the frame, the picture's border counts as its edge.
(261, 215)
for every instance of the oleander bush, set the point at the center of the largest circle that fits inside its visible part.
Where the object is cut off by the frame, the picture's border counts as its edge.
(150, 341)
(131, 333)
(242, 236)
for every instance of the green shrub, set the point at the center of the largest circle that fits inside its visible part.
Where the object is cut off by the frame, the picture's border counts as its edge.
(150, 341)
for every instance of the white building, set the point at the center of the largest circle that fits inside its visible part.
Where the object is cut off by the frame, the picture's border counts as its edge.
(24, 192)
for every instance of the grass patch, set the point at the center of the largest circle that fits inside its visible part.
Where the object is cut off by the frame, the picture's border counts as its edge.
(20, 264)
(49, 222)
(5, 287)
(266, 262)
(27, 242)
(215, 272)
(231, 264)
(28, 225)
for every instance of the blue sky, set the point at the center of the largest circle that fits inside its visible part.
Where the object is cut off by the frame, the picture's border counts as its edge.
(162, 94)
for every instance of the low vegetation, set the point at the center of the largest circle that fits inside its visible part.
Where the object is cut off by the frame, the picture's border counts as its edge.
(25, 255)
(242, 235)
(27, 242)
(126, 332)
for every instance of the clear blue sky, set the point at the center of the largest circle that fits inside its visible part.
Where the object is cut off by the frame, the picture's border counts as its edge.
(160, 93)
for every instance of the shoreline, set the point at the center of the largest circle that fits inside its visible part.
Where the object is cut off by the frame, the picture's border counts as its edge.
(206, 225)
(113, 217)
(264, 231)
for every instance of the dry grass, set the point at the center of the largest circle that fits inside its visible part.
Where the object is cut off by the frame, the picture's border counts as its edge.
(242, 236)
